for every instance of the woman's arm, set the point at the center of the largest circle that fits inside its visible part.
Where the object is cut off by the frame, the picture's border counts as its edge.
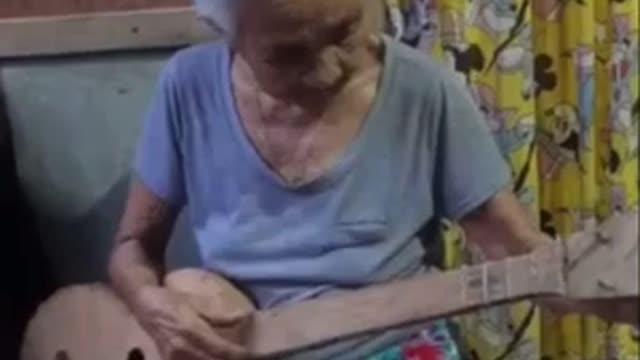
(137, 260)
(180, 328)
(502, 227)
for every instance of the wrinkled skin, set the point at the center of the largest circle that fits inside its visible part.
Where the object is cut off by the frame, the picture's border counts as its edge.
(184, 329)
(299, 49)
(304, 76)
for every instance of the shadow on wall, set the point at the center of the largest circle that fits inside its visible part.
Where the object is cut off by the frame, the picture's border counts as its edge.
(88, 237)
(24, 277)
(75, 122)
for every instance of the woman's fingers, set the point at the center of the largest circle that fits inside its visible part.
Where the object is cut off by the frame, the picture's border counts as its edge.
(178, 348)
(228, 319)
(215, 345)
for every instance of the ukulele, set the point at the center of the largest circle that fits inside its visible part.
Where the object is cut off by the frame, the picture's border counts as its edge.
(599, 265)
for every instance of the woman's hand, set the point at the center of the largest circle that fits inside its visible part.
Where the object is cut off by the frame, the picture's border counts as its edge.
(189, 330)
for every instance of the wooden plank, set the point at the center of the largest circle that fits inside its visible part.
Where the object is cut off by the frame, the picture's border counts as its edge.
(101, 32)
(31, 8)
(105, 31)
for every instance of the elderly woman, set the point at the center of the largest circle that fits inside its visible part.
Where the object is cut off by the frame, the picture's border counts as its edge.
(311, 153)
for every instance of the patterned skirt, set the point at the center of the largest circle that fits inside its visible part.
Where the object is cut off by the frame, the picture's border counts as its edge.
(434, 343)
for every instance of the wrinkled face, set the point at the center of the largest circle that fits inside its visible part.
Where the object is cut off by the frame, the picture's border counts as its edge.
(297, 47)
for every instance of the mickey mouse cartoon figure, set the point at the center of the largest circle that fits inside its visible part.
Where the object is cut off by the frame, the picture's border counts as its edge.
(560, 143)
(623, 63)
(494, 16)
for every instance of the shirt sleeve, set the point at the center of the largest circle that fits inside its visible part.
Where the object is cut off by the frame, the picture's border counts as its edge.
(158, 160)
(469, 167)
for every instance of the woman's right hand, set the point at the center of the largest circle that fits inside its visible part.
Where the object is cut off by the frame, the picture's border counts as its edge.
(188, 330)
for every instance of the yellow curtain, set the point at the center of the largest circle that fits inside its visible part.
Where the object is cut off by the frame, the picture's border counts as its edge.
(557, 81)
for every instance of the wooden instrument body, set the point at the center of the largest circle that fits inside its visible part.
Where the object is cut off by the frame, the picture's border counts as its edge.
(599, 265)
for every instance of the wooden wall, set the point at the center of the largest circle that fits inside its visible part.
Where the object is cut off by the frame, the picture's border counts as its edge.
(27, 8)
(62, 27)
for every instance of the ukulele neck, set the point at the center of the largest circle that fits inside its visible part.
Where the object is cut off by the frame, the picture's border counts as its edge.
(407, 302)
(540, 273)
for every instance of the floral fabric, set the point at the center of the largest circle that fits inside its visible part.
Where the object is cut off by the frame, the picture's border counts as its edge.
(434, 343)
(557, 81)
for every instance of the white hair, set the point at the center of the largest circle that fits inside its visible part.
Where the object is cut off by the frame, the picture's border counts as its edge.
(220, 14)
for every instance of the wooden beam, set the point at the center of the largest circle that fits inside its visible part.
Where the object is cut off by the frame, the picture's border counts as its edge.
(30, 8)
(62, 35)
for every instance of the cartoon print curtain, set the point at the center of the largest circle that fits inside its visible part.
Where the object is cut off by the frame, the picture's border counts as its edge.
(557, 81)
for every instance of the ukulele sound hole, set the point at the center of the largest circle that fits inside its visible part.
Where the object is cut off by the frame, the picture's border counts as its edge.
(135, 354)
(61, 355)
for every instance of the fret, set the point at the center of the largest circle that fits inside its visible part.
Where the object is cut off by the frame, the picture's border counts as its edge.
(486, 283)
(513, 278)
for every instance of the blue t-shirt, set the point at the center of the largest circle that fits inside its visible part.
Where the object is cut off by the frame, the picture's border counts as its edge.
(424, 152)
